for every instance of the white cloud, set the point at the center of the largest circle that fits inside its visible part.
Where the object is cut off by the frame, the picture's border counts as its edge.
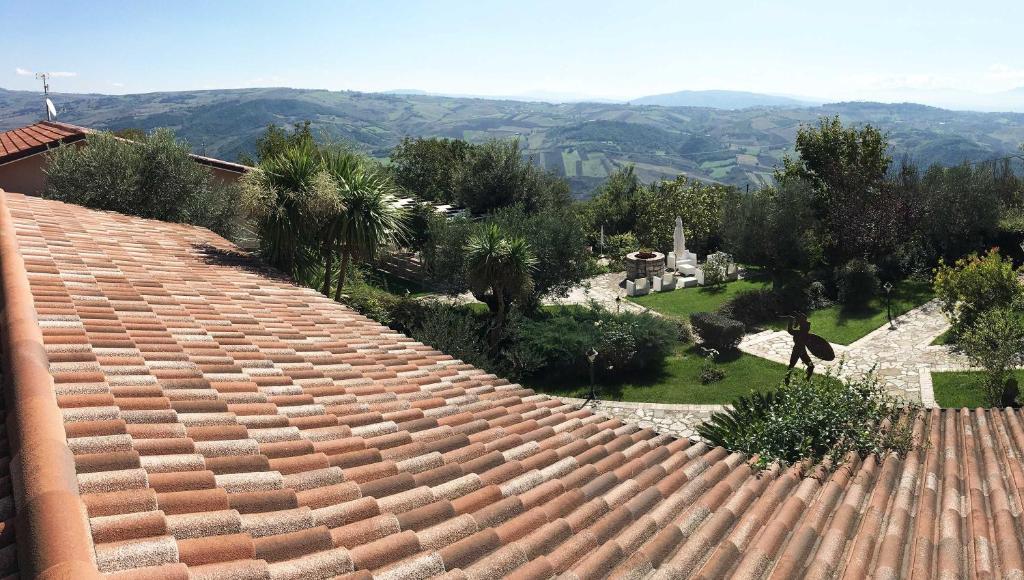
(27, 73)
(118, 85)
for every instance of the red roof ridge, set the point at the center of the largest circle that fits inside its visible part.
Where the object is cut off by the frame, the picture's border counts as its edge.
(59, 542)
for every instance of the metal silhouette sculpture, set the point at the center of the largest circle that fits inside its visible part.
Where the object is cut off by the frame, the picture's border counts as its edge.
(805, 344)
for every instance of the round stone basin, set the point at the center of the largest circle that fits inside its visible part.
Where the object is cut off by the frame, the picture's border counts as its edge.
(644, 265)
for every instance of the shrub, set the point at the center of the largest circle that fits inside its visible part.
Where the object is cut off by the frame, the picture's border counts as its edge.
(816, 296)
(857, 282)
(709, 371)
(973, 286)
(454, 331)
(996, 343)
(626, 343)
(818, 419)
(715, 269)
(616, 247)
(152, 178)
(717, 331)
(752, 307)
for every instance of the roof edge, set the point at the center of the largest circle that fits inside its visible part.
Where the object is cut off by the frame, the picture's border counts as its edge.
(54, 536)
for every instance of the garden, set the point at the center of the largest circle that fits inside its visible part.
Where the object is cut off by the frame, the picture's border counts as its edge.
(844, 235)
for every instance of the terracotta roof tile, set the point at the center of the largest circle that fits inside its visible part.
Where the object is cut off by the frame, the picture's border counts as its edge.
(220, 422)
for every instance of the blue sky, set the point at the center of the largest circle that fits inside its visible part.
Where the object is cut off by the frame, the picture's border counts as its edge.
(884, 50)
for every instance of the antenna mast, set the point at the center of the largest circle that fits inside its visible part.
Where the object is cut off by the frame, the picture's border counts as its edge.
(46, 93)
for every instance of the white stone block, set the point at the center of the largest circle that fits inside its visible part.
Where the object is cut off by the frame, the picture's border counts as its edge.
(687, 269)
(665, 283)
(687, 282)
(700, 276)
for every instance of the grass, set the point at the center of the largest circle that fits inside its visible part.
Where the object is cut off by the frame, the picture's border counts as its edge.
(944, 338)
(395, 285)
(835, 324)
(963, 389)
(678, 381)
(684, 301)
(841, 326)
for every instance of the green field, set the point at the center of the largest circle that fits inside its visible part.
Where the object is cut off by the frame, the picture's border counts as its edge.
(569, 159)
(678, 381)
(962, 389)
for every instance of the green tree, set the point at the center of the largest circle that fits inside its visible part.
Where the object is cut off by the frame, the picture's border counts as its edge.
(699, 204)
(368, 221)
(995, 342)
(555, 237)
(615, 204)
(498, 269)
(430, 168)
(292, 199)
(154, 177)
(497, 175)
(773, 228)
(276, 139)
(846, 168)
(974, 285)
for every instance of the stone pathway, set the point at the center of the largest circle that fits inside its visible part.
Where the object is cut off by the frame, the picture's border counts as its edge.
(603, 289)
(902, 358)
(676, 420)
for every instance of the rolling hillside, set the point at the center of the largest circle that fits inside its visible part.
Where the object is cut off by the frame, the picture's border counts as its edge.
(582, 141)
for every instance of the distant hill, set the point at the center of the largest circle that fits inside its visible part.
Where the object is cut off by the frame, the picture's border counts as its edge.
(720, 100)
(582, 141)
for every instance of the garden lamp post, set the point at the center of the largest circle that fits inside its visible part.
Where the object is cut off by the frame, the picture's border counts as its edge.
(618, 301)
(888, 304)
(591, 357)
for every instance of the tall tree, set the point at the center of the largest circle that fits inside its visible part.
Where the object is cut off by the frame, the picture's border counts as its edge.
(370, 219)
(430, 168)
(846, 168)
(615, 205)
(499, 273)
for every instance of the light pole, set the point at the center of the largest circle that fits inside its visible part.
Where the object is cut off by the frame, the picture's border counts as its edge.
(888, 304)
(618, 301)
(591, 357)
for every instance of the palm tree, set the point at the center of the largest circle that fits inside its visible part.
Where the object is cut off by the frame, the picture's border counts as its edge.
(291, 197)
(369, 221)
(499, 271)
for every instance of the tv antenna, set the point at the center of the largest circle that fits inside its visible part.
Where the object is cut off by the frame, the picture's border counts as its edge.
(51, 111)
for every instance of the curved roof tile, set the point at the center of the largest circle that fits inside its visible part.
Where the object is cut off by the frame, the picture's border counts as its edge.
(220, 422)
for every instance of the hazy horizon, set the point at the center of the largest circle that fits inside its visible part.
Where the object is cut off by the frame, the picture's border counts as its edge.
(934, 53)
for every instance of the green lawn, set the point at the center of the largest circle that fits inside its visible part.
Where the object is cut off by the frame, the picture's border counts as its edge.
(684, 301)
(840, 326)
(395, 285)
(835, 324)
(962, 389)
(678, 381)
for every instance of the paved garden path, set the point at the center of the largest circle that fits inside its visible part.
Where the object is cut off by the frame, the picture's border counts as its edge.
(603, 289)
(902, 358)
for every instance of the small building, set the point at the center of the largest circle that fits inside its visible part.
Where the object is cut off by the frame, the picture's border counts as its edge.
(23, 156)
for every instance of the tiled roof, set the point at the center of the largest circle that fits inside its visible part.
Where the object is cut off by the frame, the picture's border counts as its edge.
(18, 143)
(223, 423)
(25, 141)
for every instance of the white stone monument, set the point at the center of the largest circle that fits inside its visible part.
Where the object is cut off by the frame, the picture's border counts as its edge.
(680, 259)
